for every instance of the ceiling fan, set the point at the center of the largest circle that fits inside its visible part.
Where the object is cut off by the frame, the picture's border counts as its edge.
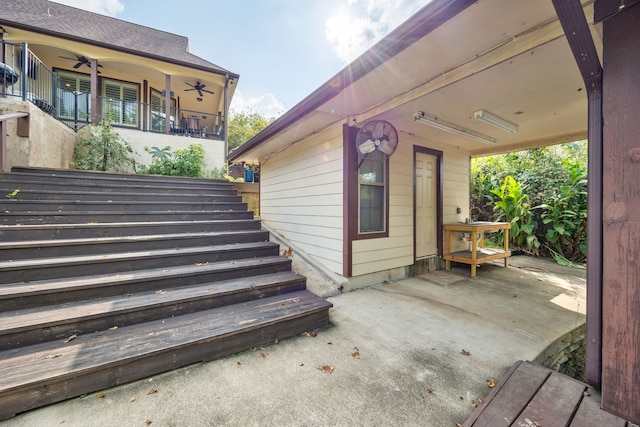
(199, 87)
(377, 135)
(82, 60)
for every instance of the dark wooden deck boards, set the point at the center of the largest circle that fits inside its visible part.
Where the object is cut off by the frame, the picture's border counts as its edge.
(530, 395)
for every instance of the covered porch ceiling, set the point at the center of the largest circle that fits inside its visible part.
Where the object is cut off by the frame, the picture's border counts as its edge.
(507, 57)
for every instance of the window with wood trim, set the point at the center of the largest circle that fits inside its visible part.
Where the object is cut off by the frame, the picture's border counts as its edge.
(372, 185)
(74, 93)
(366, 191)
(120, 103)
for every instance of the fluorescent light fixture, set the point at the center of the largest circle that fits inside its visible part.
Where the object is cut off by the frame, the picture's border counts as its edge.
(493, 120)
(438, 123)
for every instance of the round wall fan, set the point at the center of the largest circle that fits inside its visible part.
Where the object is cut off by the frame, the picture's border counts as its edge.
(376, 135)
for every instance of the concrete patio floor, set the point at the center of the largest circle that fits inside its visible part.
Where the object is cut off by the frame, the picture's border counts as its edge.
(416, 352)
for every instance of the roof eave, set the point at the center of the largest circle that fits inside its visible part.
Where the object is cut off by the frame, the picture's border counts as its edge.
(217, 70)
(431, 16)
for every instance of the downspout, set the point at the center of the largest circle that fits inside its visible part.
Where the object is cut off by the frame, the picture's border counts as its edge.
(226, 117)
(576, 29)
(95, 114)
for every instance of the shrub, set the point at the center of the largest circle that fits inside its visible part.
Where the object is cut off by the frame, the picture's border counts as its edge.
(184, 162)
(100, 148)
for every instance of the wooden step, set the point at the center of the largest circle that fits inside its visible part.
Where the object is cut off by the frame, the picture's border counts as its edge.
(34, 325)
(131, 181)
(110, 176)
(168, 205)
(29, 270)
(100, 194)
(15, 218)
(16, 296)
(50, 372)
(91, 230)
(36, 249)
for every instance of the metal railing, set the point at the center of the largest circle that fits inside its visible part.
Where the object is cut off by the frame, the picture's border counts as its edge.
(24, 76)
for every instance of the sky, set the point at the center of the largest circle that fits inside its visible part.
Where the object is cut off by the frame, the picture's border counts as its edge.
(282, 49)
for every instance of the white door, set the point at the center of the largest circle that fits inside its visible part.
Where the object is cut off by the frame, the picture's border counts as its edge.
(426, 205)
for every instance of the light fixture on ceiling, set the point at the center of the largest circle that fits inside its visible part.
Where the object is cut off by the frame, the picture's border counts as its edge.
(493, 120)
(433, 121)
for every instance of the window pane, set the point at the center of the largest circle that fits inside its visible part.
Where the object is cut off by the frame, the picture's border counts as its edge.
(372, 167)
(371, 208)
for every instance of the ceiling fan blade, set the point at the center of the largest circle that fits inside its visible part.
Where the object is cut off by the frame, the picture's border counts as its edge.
(200, 92)
(78, 65)
(208, 91)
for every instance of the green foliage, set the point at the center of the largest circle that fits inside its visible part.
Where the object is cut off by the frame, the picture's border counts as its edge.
(100, 148)
(243, 126)
(184, 162)
(554, 181)
(159, 153)
(566, 216)
(512, 205)
(13, 194)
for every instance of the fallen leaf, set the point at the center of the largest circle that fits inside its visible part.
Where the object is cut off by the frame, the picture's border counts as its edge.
(465, 352)
(71, 338)
(458, 425)
(133, 399)
(491, 383)
(105, 256)
(148, 422)
(287, 253)
(431, 391)
(474, 404)
(199, 264)
(302, 364)
(264, 355)
(277, 341)
(153, 391)
(586, 393)
(356, 353)
(313, 333)
(113, 328)
(53, 356)
(100, 395)
(327, 369)
(161, 292)
(238, 363)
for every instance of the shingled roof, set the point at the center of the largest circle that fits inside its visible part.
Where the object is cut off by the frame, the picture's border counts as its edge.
(47, 17)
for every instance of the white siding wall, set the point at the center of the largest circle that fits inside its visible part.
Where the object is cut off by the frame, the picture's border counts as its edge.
(301, 192)
(301, 196)
(396, 251)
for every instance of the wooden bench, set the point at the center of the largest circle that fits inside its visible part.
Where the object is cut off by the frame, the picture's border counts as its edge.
(530, 395)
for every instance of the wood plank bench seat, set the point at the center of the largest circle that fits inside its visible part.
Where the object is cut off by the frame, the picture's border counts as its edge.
(530, 395)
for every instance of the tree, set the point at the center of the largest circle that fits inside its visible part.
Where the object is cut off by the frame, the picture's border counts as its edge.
(243, 126)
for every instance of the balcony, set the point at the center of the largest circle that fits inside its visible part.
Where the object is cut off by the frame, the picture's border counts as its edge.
(24, 76)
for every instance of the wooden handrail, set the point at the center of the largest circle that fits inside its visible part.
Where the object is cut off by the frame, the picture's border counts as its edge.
(23, 130)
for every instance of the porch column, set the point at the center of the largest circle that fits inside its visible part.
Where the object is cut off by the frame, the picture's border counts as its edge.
(96, 114)
(167, 105)
(621, 209)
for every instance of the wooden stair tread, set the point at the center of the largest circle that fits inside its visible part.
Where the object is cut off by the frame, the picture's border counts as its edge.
(20, 290)
(20, 320)
(41, 363)
(121, 239)
(80, 259)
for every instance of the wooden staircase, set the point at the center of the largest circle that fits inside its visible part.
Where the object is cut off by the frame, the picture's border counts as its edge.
(109, 278)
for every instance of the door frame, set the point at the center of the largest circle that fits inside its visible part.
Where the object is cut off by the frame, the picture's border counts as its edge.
(438, 155)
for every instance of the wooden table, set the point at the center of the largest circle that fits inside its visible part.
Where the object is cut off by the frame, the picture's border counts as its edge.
(478, 254)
